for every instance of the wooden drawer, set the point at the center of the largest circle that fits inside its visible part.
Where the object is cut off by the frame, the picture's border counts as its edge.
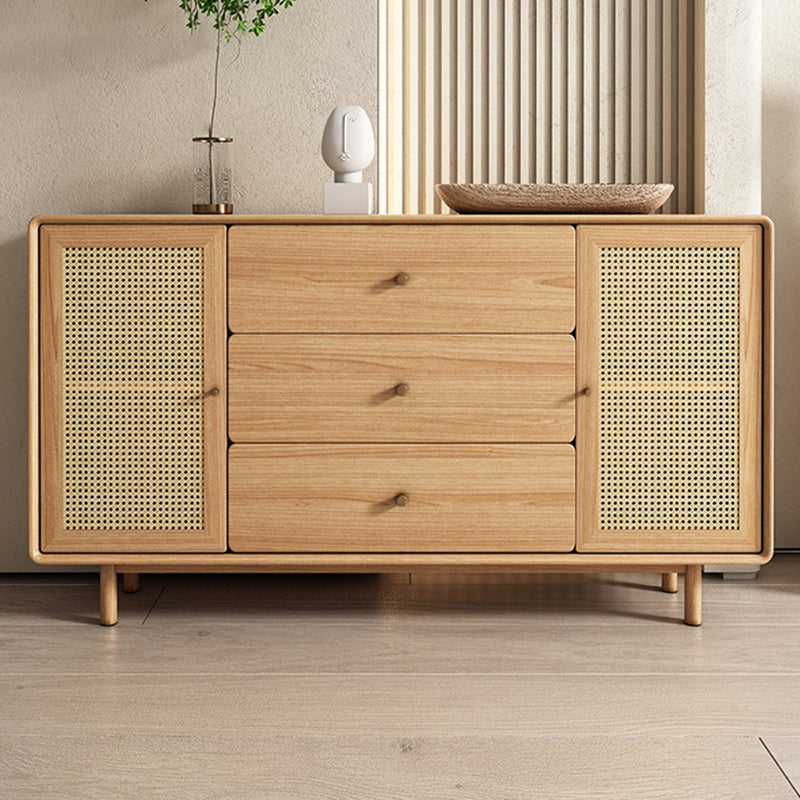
(339, 498)
(349, 388)
(342, 279)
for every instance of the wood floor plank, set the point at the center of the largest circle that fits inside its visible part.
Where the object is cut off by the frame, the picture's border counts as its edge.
(344, 598)
(444, 704)
(783, 568)
(384, 768)
(570, 599)
(369, 686)
(561, 599)
(786, 752)
(289, 590)
(319, 642)
(46, 602)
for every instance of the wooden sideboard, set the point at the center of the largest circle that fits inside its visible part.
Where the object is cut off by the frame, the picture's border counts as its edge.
(316, 393)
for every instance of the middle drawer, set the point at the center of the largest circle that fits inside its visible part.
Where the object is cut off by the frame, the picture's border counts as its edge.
(401, 388)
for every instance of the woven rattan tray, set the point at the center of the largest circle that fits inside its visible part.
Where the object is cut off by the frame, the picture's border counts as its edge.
(549, 198)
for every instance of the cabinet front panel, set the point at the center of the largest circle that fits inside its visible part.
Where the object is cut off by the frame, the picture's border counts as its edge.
(402, 279)
(402, 388)
(669, 438)
(132, 447)
(402, 498)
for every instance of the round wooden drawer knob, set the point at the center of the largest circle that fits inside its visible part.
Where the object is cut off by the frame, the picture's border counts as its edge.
(402, 388)
(402, 278)
(401, 499)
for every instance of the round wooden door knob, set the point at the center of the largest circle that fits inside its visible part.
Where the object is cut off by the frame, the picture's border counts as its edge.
(402, 388)
(401, 499)
(402, 278)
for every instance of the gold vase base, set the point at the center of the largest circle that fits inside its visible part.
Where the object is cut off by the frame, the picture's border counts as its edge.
(212, 208)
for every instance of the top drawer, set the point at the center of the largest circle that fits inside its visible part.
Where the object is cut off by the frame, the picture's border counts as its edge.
(401, 278)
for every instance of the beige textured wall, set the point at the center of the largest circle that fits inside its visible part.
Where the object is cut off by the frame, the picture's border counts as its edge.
(99, 101)
(733, 107)
(781, 201)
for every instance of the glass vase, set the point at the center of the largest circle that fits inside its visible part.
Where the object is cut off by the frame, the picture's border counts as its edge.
(213, 184)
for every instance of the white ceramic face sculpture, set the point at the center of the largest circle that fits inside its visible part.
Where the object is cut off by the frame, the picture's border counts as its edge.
(348, 143)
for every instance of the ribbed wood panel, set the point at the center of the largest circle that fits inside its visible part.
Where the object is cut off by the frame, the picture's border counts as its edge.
(549, 91)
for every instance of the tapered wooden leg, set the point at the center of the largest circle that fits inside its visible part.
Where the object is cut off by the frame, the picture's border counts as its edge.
(693, 595)
(669, 582)
(130, 582)
(108, 594)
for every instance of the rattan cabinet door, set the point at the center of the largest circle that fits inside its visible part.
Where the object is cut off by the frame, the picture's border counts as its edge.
(132, 388)
(669, 360)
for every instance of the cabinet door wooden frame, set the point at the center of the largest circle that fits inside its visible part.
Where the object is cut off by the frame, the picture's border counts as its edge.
(747, 536)
(56, 536)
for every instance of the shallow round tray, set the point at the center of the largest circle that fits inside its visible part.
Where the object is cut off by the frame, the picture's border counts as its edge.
(550, 198)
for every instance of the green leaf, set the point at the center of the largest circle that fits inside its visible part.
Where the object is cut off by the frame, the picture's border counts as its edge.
(232, 16)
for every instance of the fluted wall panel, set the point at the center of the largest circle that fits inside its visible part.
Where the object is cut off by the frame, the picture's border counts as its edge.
(546, 91)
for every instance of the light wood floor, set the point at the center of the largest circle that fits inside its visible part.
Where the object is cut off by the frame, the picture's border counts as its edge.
(401, 686)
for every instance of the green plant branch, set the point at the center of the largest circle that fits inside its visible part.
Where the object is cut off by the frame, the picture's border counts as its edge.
(211, 181)
(216, 80)
(230, 17)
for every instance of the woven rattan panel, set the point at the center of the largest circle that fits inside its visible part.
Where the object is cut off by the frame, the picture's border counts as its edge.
(669, 388)
(133, 379)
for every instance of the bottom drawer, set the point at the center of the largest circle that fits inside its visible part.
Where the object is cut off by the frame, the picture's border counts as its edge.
(401, 498)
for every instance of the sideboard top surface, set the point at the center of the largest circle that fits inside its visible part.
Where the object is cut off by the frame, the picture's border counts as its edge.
(398, 219)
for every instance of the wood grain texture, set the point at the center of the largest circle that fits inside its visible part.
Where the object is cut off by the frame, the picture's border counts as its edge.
(748, 537)
(491, 599)
(400, 219)
(669, 582)
(496, 599)
(54, 536)
(479, 226)
(342, 280)
(71, 603)
(397, 562)
(768, 386)
(373, 704)
(339, 686)
(34, 410)
(383, 767)
(330, 498)
(693, 595)
(108, 595)
(66, 605)
(342, 388)
(573, 637)
(786, 752)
